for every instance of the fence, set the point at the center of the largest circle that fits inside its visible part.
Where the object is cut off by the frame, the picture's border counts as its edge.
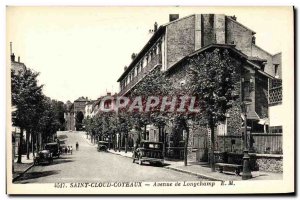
(268, 143)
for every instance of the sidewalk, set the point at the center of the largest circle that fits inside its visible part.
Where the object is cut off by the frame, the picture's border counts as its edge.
(21, 168)
(203, 170)
(88, 140)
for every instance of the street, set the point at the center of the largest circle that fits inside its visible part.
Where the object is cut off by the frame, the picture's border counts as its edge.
(89, 165)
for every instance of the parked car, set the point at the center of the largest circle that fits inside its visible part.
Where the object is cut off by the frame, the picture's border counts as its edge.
(43, 156)
(151, 152)
(53, 148)
(102, 146)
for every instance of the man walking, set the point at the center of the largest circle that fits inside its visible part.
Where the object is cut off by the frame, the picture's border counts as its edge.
(77, 146)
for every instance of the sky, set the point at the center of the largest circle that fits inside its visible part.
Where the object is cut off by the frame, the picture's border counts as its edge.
(82, 51)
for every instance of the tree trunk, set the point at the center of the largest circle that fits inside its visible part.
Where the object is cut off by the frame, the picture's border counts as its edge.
(32, 144)
(119, 142)
(126, 142)
(186, 146)
(163, 140)
(27, 145)
(36, 142)
(20, 147)
(145, 130)
(212, 149)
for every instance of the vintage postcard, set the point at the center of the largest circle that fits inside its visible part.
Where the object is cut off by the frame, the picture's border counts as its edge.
(150, 100)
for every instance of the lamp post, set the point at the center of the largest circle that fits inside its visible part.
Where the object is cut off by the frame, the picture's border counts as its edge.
(246, 158)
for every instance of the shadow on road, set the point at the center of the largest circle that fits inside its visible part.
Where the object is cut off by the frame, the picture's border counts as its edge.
(61, 161)
(61, 137)
(34, 175)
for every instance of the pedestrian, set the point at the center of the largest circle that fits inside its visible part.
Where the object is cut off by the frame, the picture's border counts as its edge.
(71, 149)
(68, 149)
(77, 146)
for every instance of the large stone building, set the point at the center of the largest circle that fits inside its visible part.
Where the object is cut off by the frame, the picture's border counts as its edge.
(174, 43)
(75, 113)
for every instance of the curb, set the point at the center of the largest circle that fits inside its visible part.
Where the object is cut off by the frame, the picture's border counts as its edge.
(181, 170)
(119, 154)
(22, 173)
(193, 173)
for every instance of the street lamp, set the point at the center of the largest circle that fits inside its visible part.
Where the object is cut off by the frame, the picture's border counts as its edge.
(246, 158)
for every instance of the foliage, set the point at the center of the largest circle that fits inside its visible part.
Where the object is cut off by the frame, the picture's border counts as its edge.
(34, 112)
(212, 77)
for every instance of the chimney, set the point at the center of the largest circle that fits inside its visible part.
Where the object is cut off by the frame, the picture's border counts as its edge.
(173, 17)
(133, 56)
(18, 59)
(125, 68)
(155, 26)
(253, 39)
(233, 17)
(12, 57)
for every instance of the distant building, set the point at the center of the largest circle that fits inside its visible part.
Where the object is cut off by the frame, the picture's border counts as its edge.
(75, 113)
(17, 66)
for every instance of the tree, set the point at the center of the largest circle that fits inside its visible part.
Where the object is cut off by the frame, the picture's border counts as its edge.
(59, 108)
(212, 78)
(26, 96)
(79, 118)
(155, 83)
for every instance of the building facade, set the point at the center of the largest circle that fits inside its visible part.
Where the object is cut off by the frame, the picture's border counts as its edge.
(181, 39)
(75, 113)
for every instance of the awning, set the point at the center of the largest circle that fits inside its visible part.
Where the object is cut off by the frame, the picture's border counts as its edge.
(250, 115)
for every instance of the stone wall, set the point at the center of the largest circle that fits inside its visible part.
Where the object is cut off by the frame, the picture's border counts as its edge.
(239, 35)
(180, 39)
(208, 36)
(259, 52)
(277, 60)
(270, 163)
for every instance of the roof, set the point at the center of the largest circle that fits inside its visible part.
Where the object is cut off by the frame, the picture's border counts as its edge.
(251, 114)
(151, 41)
(81, 99)
(154, 38)
(256, 59)
(223, 46)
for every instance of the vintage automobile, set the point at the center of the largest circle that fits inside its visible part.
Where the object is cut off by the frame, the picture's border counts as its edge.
(102, 146)
(151, 152)
(43, 156)
(53, 148)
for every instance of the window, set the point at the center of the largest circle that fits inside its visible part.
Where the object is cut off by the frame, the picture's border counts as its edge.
(276, 69)
(275, 129)
(137, 69)
(246, 89)
(222, 128)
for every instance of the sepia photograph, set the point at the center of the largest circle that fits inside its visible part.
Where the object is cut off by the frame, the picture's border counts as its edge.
(149, 100)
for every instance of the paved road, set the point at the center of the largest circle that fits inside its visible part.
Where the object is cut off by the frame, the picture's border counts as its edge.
(88, 165)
